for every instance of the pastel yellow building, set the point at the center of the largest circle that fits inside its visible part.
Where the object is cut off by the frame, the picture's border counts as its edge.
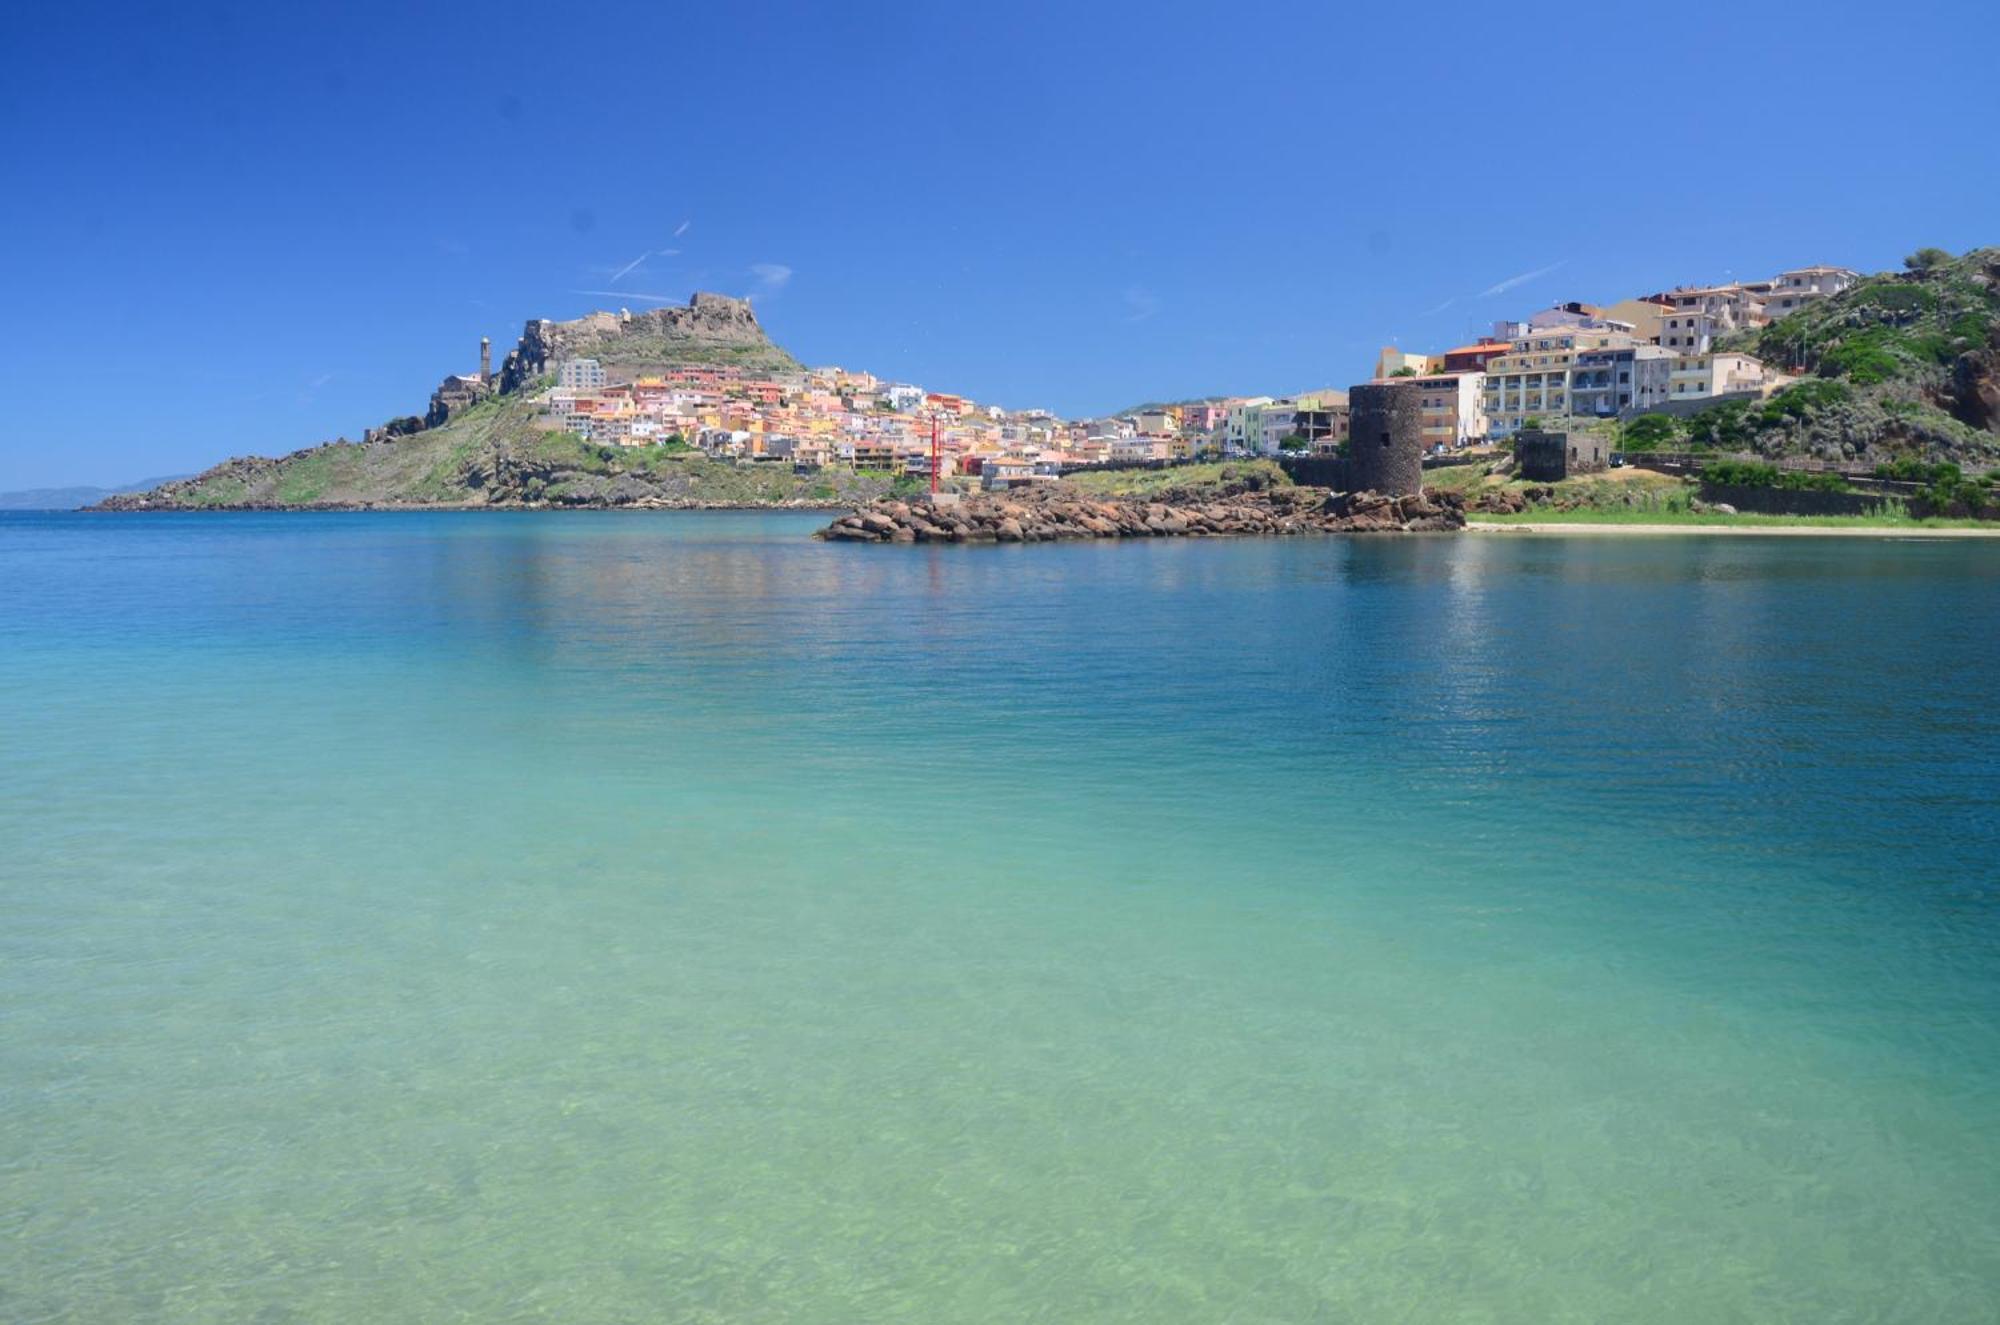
(1391, 361)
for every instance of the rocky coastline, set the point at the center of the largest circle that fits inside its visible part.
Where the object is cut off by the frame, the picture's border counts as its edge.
(134, 503)
(1049, 516)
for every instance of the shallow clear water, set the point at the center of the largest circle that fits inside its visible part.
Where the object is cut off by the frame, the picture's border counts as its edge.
(665, 917)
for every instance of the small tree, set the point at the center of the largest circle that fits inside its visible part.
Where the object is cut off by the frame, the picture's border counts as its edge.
(1404, 371)
(1292, 442)
(1924, 259)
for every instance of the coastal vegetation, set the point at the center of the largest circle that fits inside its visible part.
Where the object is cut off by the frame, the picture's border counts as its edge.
(1901, 364)
(1751, 474)
(1889, 517)
(1637, 496)
(494, 454)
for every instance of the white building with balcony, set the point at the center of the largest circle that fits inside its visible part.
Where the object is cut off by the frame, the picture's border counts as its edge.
(1705, 376)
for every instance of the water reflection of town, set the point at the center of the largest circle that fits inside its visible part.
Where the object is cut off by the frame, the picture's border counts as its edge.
(1470, 645)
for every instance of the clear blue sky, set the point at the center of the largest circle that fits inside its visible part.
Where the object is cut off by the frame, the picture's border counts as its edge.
(251, 227)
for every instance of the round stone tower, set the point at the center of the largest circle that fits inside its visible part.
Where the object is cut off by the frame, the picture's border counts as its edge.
(1385, 447)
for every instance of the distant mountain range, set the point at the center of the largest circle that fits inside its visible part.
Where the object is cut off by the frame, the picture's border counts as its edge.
(76, 498)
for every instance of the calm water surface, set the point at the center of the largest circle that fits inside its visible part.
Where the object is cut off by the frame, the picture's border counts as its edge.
(666, 918)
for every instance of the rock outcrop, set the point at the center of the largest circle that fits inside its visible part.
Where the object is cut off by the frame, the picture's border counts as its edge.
(455, 395)
(1047, 516)
(712, 328)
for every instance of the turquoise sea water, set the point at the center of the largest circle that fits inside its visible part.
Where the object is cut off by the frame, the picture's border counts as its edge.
(667, 918)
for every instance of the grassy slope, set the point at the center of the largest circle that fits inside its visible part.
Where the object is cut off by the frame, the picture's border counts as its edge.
(1892, 520)
(432, 467)
(1641, 497)
(1879, 360)
(435, 467)
(1143, 482)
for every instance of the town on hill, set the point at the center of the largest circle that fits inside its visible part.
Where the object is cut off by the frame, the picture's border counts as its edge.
(696, 406)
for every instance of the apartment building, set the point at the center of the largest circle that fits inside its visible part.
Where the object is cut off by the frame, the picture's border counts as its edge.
(1791, 290)
(1321, 416)
(1474, 357)
(1453, 407)
(1533, 380)
(580, 375)
(1701, 376)
(1729, 307)
(1244, 428)
(1205, 416)
(1275, 422)
(1688, 331)
(1610, 382)
(1644, 315)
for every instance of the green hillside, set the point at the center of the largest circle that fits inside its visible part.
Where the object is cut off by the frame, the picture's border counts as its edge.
(494, 455)
(498, 453)
(1902, 365)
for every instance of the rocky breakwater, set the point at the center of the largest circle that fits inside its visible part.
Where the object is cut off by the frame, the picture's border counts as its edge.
(1055, 515)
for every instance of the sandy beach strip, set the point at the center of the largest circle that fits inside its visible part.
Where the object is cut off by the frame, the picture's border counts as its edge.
(1786, 531)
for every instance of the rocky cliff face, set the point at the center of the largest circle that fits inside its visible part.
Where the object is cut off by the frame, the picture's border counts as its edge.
(711, 328)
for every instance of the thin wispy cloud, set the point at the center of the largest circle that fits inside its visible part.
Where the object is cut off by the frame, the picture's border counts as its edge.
(626, 270)
(632, 294)
(1140, 303)
(1502, 287)
(682, 228)
(771, 278)
(1432, 312)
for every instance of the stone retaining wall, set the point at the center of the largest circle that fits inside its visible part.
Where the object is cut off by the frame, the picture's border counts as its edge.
(1791, 501)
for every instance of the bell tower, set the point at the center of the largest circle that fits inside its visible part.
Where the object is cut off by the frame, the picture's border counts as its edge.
(485, 358)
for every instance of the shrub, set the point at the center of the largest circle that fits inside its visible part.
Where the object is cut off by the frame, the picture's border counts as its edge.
(1802, 399)
(1953, 491)
(1740, 473)
(1749, 474)
(1864, 358)
(1725, 426)
(1652, 432)
(1924, 259)
(1896, 298)
(1911, 470)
